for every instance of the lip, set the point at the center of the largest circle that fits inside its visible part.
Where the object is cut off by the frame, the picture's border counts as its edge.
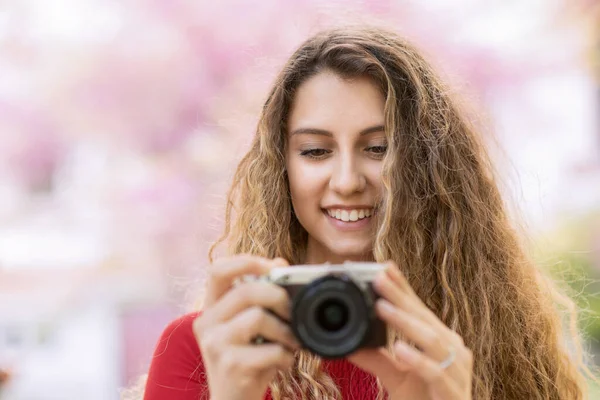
(356, 207)
(348, 226)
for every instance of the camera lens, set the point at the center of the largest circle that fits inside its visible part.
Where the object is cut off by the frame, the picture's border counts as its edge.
(332, 315)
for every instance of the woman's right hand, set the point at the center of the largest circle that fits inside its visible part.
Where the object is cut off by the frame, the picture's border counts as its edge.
(232, 317)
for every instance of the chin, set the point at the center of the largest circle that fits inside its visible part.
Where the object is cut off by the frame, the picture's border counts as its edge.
(352, 251)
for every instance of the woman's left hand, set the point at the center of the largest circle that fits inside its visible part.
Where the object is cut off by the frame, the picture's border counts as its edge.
(408, 373)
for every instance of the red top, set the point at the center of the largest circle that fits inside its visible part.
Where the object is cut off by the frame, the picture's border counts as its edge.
(176, 371)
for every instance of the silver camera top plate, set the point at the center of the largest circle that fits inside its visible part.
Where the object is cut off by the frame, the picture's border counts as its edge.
(300, 274)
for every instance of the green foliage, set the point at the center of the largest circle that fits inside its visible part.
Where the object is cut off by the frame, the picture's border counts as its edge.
(570, 259)
(579, 274)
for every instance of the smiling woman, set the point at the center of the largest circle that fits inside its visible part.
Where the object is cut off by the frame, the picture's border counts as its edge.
(362, 154)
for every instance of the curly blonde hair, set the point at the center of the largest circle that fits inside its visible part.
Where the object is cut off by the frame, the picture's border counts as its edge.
(444, 223)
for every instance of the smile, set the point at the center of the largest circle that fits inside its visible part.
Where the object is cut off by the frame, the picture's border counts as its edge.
(349, 220)
(350, 215)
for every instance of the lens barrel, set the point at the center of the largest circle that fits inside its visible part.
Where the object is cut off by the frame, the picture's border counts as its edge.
(331, 316)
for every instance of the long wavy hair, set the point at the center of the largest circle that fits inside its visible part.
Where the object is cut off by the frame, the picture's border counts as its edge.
(443, 222)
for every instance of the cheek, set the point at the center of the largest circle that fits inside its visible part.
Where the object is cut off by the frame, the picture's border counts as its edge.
(294, 179)
(306, 185)
(374, 177)
(296, 189)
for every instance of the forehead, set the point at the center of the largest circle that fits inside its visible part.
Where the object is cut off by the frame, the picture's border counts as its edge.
(328, 101)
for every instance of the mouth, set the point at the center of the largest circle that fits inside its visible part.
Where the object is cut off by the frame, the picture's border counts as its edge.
(350, 215)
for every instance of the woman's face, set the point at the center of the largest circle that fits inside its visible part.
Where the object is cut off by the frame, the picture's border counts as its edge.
(336, 144)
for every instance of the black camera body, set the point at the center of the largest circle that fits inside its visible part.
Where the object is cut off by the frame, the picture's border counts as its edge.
(333, 306)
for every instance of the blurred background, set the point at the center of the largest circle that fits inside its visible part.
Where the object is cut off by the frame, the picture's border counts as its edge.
(121, 122)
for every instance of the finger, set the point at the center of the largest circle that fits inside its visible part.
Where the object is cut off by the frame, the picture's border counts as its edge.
(438, 379)
(255, 321)
(381, 363)
(415, 330)
(223, 272)
(270, 356)
(393, 271)
(390, 290)
(263, 294)
(412, 304)
(434, 345)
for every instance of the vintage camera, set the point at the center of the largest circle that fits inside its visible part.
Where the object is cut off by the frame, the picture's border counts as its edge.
(333, 311)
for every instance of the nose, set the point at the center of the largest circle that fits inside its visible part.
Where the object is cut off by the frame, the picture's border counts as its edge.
(347, 177)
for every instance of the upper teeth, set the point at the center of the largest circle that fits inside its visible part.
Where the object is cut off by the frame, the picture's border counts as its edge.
(349, 215)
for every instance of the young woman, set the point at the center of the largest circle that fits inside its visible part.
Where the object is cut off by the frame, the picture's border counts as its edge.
(361, 154)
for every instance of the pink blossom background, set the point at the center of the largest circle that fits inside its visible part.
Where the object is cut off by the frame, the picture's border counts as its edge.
(121, 122)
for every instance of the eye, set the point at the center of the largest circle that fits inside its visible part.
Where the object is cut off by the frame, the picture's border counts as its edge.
(314, 153)
(378, 151)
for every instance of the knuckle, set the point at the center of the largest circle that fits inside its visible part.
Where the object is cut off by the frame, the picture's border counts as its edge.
(246, 258)
(198, 326)
(257, 317)
(245, 294)
(242, 258)
(430, 337)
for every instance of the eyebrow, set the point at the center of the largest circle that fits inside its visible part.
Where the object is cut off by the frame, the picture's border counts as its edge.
(323, 132)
